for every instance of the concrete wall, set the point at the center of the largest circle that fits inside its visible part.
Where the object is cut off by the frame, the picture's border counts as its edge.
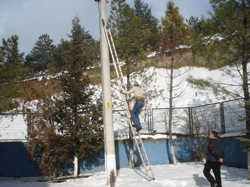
(14, 160)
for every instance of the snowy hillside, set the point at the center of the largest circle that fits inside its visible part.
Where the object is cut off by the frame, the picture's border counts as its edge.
(16, 128)
(190, 97)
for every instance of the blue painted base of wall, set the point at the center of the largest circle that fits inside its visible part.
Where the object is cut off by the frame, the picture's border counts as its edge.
(14, 160)
(158, 152)
(235, 156)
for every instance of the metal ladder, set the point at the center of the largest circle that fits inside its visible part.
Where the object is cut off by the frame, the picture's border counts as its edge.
(121, 84)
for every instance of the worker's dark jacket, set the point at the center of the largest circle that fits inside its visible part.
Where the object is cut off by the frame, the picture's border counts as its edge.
(215, 150)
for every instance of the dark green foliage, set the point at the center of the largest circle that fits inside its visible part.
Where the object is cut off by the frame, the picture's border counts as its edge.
(245, 139)
(193, 23)
(40, 56)
(59, 55)
(69, 124)
(11, 72)
(225, 34)
(130, 34)
(148, 21)
(91, 47)
(77, 116)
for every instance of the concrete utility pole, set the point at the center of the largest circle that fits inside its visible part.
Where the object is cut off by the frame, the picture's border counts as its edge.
(109, 145)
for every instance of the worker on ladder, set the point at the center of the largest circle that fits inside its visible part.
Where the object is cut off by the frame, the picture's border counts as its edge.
(139, 104)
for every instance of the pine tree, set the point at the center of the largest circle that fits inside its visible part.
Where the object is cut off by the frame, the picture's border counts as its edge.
(60, 51)
(173, 33)
(129, 32)
(66, 126)
(149, 21)
(59, 55)
(11, 72)
(78, 115)
(41, 55)
(225, 43)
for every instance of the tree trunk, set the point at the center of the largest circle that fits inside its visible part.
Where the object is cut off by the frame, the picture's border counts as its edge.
(76, 166)
(170, 111)
(245, 77)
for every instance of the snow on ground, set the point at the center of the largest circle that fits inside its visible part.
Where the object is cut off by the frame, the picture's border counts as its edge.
(181, 175)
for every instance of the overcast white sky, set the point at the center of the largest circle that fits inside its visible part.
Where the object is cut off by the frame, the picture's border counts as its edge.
(29, 19)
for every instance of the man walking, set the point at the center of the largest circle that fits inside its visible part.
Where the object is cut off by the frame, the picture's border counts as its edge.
(215, 155)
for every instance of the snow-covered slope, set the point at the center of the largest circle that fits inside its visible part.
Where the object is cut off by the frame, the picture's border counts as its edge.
(16, 128)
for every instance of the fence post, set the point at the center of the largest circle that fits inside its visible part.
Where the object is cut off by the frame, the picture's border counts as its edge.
(190, 119)
(222, 118)
(149, 120)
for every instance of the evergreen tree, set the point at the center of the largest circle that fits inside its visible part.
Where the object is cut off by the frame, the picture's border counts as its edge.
(40, 56)
(225, 43)
(91, 47)
(173, 33)
(66, 126)
(11, 72)
(130, 37)
(148, 21)
(59, 55)
(194, 24)
(77, 112)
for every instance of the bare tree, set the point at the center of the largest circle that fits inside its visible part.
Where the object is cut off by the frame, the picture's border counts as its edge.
(173, 32)
(202, 120)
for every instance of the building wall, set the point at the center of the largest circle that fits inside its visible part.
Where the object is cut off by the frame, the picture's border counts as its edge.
(235, 156)
(159, 153)
(14, 160)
